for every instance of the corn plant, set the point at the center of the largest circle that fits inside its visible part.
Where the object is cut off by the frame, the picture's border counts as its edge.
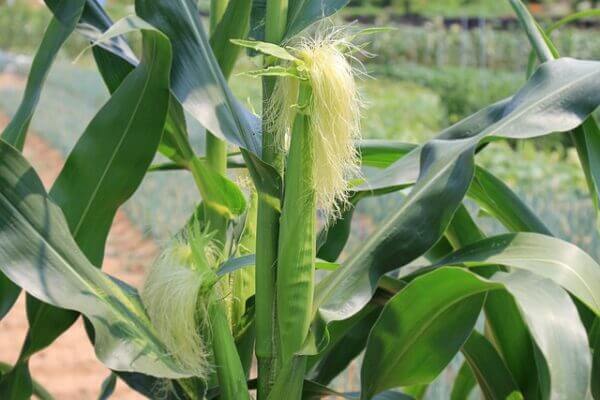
(253, 296)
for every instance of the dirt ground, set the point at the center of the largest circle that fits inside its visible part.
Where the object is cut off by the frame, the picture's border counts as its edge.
(68, 368)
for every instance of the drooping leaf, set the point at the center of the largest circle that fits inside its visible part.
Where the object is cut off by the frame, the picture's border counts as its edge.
(560, 261)
(421, 329)
(494, 378)
(561, 340)
(54, 37)
(196, 80)
(558, 97)
(504, 322)
(39, 254)
(464, 383)
(103, 170)
(559, 335)
(16, 131)
(588, 148)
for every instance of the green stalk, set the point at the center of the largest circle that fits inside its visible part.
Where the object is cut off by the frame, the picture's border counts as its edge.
(531, 29)
(276, 20)
(268, 225)
(216, 149)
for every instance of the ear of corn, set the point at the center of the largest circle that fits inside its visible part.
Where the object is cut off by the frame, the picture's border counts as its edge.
(295, 272)
(323, 109)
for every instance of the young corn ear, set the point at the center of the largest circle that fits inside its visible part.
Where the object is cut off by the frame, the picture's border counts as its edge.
(319, 108)
(334, 109)
(177, 294)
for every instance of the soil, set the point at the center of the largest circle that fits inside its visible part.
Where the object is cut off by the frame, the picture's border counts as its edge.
(68, 369)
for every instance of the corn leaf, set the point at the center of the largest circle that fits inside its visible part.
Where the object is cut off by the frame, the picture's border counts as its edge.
(233, 25)
(421, 328)
(40, 255)
(266, 48)
(16, 131)
(409, 326)
(558, 97)
(464, 383)
(494, 378)
(196, 80)
(562, 262)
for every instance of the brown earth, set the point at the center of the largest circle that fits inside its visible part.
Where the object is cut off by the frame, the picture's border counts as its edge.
(68, 369)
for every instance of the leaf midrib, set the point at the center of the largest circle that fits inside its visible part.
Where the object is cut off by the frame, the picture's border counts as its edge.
(431, 320)
(108, 165)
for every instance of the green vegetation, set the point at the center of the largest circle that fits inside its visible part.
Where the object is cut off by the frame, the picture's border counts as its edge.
(303, 255)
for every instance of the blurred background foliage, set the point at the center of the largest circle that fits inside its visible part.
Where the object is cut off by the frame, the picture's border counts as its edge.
(443, 60)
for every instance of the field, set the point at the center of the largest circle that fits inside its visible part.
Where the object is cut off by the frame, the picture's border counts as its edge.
(418, 81)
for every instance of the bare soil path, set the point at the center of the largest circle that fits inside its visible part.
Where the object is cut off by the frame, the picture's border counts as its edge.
(68, 368)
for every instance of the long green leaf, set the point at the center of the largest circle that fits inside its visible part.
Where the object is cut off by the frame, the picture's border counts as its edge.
(557, 98)
(421, 329)
(104, 169)
(54, 37)
(494, 378)
(552, 258)
(504, 322)
(464, 383)
(39, 254)
(233, 25)
(408, 326)
(16, 131)
(196, 79)
(552, 319)
(587, 150)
